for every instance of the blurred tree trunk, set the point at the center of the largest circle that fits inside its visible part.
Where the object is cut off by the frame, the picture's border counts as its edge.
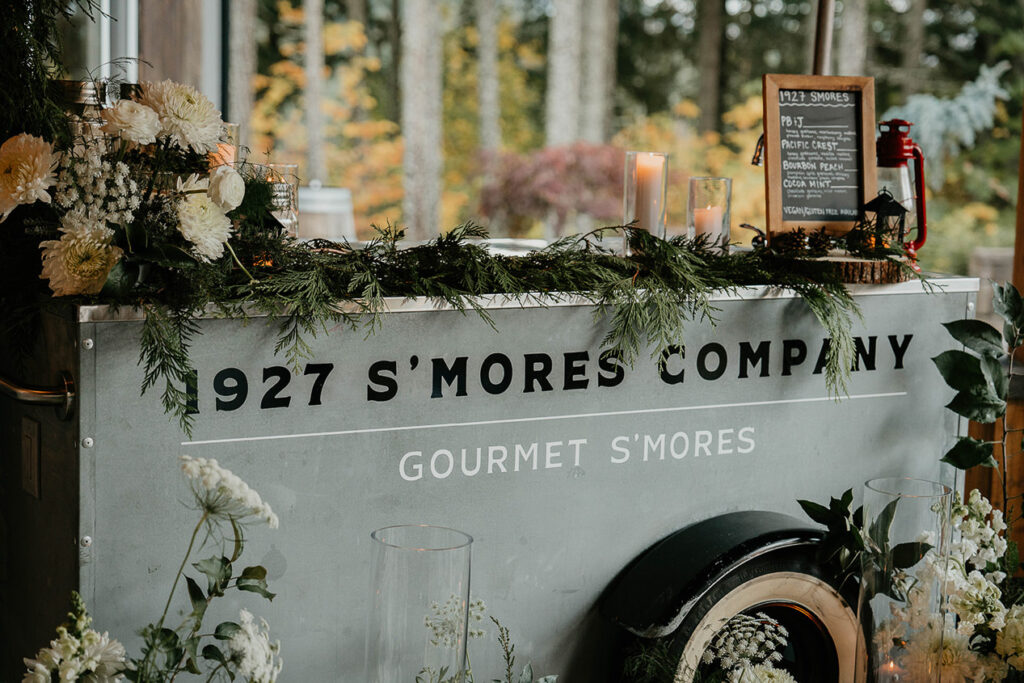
(562, 103)
(487, 75)
(600, 33)
(314, 29)
(709, 62)
(242, 67)
(913, 47)
(421, 79)
(355, 10)
(852, 46)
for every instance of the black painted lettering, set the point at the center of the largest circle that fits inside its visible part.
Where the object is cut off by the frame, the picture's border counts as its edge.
(899, 349)
(864, 354)
(666, 376)
(610, 361)
(279, 376)
(703, 368)
(538, 367)
(752, 358)
(575, 370)
(819, 365)
(453, 374)
(388, 382)
(794, 352)
(499, 386)
(233, 386)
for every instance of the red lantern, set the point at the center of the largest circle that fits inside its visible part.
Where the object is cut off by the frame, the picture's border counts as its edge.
(895, 150)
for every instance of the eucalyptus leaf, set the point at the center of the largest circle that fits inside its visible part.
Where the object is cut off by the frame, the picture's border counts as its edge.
(225, 630)
(879, 531)
(213, 653)
(985, 408)
(197, 597)
(961, 370)
(819, 513)
(969, 452)
(977, 335)
(217, 571)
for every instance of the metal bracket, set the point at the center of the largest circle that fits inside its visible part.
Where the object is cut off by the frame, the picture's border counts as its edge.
(62, 396)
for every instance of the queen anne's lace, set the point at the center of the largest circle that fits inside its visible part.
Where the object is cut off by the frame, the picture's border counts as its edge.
(255, 656)
(223, 495)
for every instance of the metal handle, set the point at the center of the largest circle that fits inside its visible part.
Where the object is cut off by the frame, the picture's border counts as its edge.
(63, 397)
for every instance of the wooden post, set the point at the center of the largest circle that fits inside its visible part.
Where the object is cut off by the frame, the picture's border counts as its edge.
(170, 40)
(823, 38)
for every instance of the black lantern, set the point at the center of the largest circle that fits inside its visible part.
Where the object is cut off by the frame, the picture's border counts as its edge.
(885, 219)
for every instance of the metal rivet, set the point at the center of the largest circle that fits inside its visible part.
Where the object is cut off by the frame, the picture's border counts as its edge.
(970, 307)
(88, 344)
(87, 442)
(86, 541)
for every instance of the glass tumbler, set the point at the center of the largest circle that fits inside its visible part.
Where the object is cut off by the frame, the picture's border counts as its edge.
(419, 616)
(906, 531)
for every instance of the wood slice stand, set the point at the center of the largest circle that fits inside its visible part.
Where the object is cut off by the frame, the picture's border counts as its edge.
(861, 271)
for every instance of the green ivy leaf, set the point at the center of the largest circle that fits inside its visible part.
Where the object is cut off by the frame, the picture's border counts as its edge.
(906, 555)
(961, 370)
(969, 452)
(977, 335)
(984, 408)
(225, 630)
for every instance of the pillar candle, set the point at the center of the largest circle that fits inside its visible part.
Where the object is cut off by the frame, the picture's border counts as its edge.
(649, 196)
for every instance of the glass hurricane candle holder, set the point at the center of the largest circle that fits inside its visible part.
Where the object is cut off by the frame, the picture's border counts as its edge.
(708, 209)
(419, 616)
(906, 532)
(645, 188)
(284, 195)
(227, 149)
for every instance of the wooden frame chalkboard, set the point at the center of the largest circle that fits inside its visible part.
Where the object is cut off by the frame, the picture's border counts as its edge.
(819, 146)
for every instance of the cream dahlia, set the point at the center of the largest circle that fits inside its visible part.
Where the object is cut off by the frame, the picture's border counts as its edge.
(132, 121)
(187, 117)
(78, 263)
(201, 221)
(27, 165)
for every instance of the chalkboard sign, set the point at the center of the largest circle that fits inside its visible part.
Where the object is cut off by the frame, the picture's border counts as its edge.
(819, 151)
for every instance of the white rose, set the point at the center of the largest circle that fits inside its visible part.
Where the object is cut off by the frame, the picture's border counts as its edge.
(226, 188)
(132, 121)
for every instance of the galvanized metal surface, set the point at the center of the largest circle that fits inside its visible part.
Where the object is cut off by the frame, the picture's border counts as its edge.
(569, 482)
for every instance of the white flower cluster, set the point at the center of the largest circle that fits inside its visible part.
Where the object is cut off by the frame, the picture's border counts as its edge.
(255, 656)
(27, 163)
(972, 579)
(747, 647)
(222, 495)
(94, 193)
(445, 622)
(201, 219)
(132, 121)
(186, 116)
(93, 658)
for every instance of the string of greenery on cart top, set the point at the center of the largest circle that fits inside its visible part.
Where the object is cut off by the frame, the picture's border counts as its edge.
(140, 211)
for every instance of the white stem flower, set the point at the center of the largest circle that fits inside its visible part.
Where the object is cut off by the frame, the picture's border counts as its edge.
(255, 656)
(187, 117)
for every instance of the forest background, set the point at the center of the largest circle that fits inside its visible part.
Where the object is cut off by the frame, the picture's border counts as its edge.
(517, 112)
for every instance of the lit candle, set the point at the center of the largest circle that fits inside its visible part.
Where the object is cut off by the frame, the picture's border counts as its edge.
(650, 171)
(708, 222)
(890, 672)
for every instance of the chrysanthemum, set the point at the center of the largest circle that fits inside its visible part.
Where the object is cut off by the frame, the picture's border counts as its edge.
(222, 494)
(132, 121)
(78, 263)
(253, 653)
(27, 165)
(187, 117)
(201, 221)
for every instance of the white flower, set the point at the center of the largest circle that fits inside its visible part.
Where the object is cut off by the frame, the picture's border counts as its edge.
(187, 117)
(1010, 641)
(227, 189)
(103, 656)
(255, 657)
(223, 494)
(132, 121)
(37, 672)
(200, 221)
(27, 166)
(78, 263)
